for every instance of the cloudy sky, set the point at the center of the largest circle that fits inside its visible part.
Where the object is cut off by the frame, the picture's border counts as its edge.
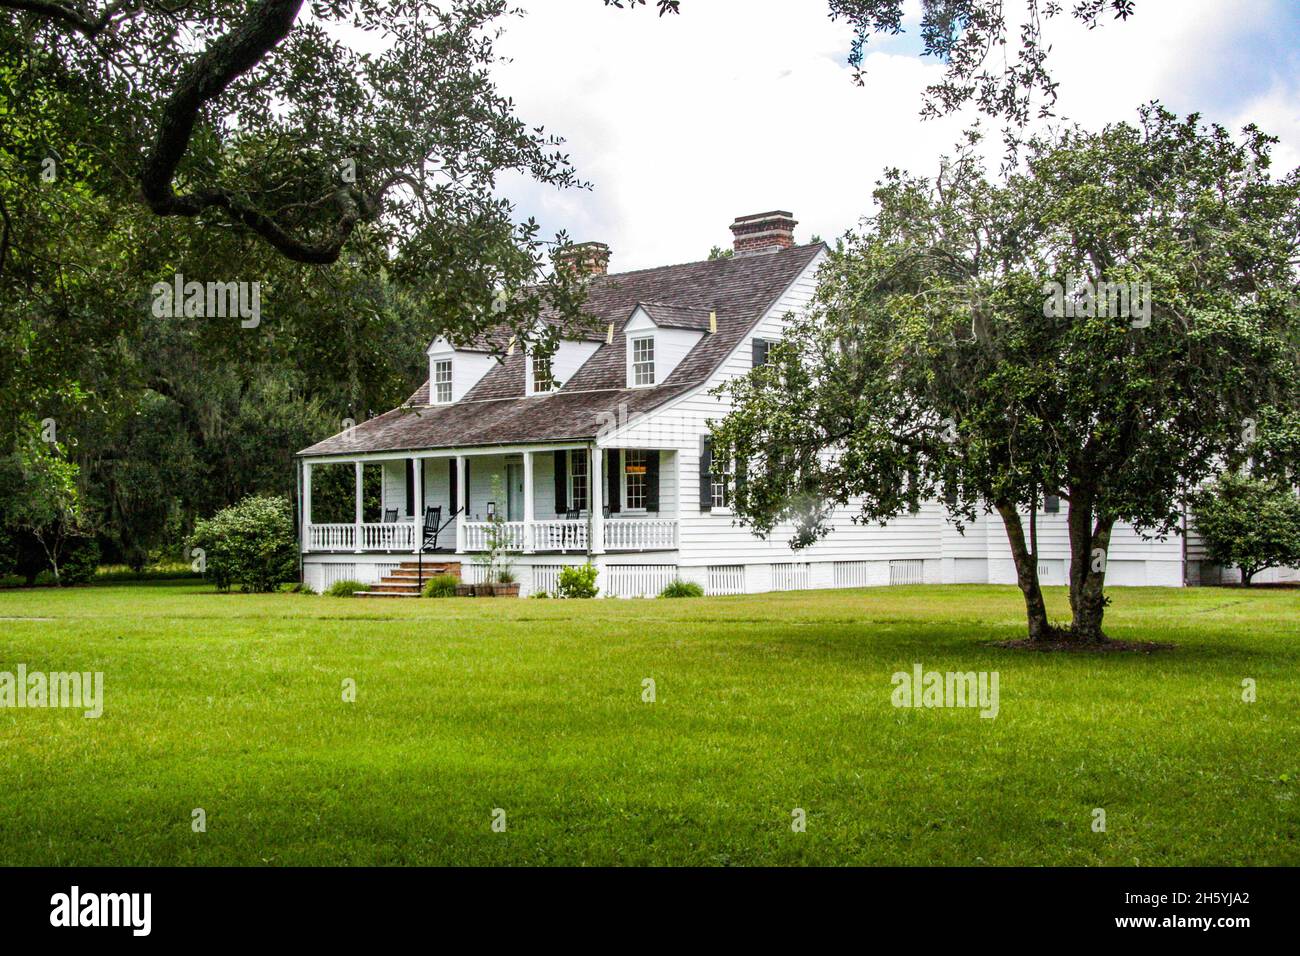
(739, 106)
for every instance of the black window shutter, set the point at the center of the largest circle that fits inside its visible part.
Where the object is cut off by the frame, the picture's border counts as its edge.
(652, 481)
(410, 486)
(706, 479)
(742, 468)
(451, 485)
(760, 352)
(561, 482)
(468, 486)
(613, 482)
(1052, 504)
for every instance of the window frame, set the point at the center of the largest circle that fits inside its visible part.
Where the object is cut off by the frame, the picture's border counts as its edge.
(635, 365)
(537, 363)
(644, 477)
(579, 455)
(436, 382)
(719, 500)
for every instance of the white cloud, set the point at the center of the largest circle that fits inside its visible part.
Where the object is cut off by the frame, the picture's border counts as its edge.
(683, 123)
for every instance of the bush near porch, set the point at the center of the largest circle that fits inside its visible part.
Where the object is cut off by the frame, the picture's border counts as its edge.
(763, 704)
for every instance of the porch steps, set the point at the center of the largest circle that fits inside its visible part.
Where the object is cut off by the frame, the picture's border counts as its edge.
(404, 581)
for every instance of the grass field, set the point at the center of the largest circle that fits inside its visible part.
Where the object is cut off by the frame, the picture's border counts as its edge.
(764, 704)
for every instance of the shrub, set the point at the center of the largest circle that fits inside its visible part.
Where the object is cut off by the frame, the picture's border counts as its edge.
(541, 594)
(345, 588)
(1250, 523)
(680, 588)
(250, 544)
(296, 587)
(441, 586)
(578, 581)
(81, 563)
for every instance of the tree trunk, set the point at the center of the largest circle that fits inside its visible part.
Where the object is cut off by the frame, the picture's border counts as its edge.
(1089, 546)
(1026, 575)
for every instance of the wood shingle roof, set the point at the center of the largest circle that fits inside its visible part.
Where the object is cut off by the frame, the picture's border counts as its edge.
(739, 290)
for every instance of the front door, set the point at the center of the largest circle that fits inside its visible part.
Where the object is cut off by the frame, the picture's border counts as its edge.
(515, 491)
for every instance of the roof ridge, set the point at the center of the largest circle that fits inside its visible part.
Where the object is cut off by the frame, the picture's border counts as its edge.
(695, 262)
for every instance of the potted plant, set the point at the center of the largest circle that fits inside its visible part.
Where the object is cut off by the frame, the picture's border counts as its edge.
(498, 578)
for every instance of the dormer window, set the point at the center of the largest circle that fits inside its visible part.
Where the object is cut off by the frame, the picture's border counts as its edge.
(643, 361)
(441, 382)
(543, 374)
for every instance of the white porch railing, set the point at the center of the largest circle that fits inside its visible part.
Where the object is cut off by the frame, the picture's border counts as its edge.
(560, 535)
(477, 532)
(392, 536)
(563, 535)
(640, 534)
(332, 537)
(389, 536)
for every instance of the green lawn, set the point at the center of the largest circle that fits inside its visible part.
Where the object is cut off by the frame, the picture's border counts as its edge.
(233, 704)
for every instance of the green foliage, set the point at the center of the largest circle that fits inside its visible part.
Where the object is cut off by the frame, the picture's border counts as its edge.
(1251, 523)
(441, 586)
(578, 581)
(81, 563)
(41, 504)
(682, 589)
(345, 588)
(251, 544)
(934, 363)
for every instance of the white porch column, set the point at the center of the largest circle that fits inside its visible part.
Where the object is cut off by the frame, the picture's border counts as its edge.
(528, 502)
(306, 505)
(359, 470)
(596, 496)
(417, 473)
(461, 498)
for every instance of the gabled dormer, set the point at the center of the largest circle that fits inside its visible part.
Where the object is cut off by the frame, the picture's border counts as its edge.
(454, 371)
(554, 370)
(658, 336)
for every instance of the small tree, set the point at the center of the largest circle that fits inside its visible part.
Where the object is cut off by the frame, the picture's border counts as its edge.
(42, 500)
(494, 560)
(251, 544)
(1251, 523)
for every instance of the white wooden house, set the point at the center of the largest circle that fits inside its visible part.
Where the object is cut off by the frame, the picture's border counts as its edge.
(602, 456)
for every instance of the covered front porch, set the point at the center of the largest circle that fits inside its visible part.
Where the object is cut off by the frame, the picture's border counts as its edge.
(559, 499)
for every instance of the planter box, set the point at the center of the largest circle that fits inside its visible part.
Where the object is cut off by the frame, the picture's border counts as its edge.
(487, 590)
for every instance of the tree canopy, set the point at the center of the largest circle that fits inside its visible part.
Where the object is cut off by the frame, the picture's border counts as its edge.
(1100, 326)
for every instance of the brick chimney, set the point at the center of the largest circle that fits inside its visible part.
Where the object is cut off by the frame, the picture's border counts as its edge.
(763, 232)
(585, 258)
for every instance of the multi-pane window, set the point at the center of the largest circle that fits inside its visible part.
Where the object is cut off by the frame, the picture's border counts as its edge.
(643, 361)
(543, 375)
(442, 381)
(718, 475)
(634, 479)
(578, 480)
